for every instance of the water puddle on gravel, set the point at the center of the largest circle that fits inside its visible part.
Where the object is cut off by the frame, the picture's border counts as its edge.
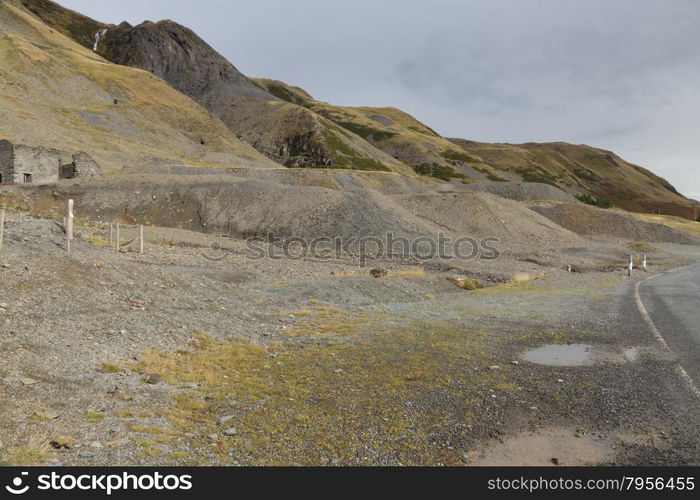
(560, 355)
(547, 447)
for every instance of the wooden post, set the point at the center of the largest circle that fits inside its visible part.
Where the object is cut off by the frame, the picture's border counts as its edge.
(2, 226)
(69, 220)
(141, 238)
(118, 244)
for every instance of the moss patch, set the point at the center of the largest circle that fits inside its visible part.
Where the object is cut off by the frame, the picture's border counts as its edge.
(355, 394)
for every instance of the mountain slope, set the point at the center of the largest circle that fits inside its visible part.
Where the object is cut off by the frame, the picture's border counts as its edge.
(580, 169)
(74, 25)
(56, 93)
(394, 132)
(575, 169)
(283, 131)
(288, 125)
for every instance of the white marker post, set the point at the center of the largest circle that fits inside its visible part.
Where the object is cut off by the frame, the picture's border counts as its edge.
(630, 268)
(69, 220)
(111, 235)
(141, 239)
(69, 225)
(118, 244)
(644, 263)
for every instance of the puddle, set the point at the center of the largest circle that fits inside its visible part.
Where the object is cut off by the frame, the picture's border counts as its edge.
(560, 355)
(539, 448)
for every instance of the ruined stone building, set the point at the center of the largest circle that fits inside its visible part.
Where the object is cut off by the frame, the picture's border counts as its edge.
(20, 164)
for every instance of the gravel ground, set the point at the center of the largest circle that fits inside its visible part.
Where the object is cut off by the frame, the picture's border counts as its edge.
(323, 364)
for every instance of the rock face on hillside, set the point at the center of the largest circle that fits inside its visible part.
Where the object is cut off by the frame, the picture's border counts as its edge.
(286, 133)
(178, 56)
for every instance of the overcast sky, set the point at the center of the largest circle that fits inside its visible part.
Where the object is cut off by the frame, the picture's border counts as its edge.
(618, 74)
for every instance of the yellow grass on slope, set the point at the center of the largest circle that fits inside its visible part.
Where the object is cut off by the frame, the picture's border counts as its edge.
(56, 93)
(685, 225)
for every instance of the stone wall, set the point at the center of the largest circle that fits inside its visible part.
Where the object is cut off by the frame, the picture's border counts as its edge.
(20, 164)
(85, 166)
(6, 162)
(37, 165)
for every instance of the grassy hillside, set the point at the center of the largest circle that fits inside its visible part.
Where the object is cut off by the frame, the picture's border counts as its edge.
(287, 133)
(283, 122)
(679, 223)
(580, 169)
(56, 93)
(80, 28)
(396, 133)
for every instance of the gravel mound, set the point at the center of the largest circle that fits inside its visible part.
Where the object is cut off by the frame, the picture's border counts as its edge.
(522, 191)
(592, 221)
(257, 208)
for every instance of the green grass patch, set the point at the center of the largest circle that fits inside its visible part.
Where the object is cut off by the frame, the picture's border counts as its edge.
(597, 202)
(537, 175)
(367, 132)
(438, 171)
(457, 156)
(344, 157)
(94, 416)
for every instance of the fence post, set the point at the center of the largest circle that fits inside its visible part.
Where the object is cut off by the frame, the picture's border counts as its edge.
(630, 267)
(141, 238)
(69, 220)
(2, 226)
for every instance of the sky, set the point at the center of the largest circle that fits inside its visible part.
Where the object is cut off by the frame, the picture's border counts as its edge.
(622, 75)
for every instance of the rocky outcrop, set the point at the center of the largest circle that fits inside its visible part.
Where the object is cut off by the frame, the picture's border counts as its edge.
(180, 57)
(285, 132)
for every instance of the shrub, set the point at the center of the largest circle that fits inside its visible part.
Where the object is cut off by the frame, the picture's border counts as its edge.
(597, 202)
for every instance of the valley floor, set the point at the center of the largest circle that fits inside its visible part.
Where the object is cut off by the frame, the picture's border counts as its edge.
(171, 358)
